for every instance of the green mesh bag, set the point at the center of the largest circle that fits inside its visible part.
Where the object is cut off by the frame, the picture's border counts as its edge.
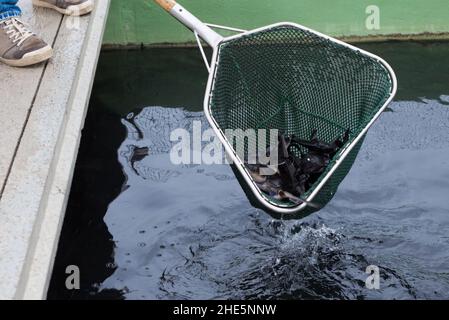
(295, 80)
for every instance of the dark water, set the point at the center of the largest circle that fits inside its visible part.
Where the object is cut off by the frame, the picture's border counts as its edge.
(141, 228)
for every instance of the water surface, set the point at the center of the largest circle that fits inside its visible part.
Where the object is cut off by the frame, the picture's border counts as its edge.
(142, 228)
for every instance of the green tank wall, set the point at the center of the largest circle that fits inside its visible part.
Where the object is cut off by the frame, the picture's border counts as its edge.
(143, 22)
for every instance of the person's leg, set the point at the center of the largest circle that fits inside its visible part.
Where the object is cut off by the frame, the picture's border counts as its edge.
(68, 7)
(9, 8)
(19, 47)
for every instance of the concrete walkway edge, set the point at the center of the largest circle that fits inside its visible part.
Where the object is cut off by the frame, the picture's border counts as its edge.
(38, 265)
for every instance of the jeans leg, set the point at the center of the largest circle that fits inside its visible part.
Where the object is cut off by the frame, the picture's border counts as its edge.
(9, 8)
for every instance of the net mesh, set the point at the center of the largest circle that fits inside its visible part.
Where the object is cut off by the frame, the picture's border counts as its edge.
(293, 80)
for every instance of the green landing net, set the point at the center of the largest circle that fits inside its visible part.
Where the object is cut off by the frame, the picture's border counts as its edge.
(295, 80)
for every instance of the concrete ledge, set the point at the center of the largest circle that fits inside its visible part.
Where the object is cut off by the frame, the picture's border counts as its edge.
(37, 183)
(420, 37)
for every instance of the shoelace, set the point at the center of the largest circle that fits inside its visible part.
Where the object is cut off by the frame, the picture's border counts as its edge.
(17, 30)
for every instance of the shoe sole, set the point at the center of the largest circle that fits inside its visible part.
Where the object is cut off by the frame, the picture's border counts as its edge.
(75, 10)
(30, 58)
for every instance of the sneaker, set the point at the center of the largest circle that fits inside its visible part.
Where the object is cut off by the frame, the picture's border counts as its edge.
(19, 47)
(68, 7)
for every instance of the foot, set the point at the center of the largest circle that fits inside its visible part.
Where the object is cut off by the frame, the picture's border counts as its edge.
(67, 7)
(19, 47)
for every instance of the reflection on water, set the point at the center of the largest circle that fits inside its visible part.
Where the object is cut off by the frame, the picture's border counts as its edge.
(188, 232)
